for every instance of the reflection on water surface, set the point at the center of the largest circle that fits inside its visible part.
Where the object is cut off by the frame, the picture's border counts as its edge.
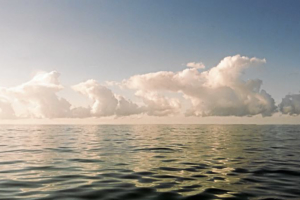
(150, 162)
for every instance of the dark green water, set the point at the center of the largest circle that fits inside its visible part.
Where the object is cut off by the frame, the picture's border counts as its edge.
(150, 162)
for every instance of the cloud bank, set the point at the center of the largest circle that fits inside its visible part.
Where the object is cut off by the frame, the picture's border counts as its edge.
(219, 91)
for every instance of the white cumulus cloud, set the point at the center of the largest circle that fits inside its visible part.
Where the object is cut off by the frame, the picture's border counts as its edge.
(159, 105)
(104, 101)
(219, 91)
(38, 97)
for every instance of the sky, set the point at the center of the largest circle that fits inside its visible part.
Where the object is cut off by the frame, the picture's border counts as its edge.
(213, 61)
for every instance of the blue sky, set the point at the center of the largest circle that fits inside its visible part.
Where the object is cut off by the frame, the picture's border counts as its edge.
(113, 40)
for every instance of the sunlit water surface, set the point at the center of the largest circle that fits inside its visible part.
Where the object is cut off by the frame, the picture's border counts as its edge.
(158, 162)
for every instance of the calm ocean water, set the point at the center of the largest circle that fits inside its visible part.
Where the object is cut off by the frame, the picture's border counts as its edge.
(157, 162)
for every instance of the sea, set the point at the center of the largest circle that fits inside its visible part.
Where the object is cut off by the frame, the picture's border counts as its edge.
(149, 162)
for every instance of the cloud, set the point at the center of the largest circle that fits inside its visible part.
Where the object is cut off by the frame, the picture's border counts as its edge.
(37, 98)
(159, 105)
(290, 104)
(105, 102)
(219, 91)
(198, 65)
(126, 107)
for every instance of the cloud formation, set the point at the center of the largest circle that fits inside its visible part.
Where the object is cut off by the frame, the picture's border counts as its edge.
(199, 65)
(38, 97)
(219, 91)
(290, 104)
(159, 105)
(104, 102)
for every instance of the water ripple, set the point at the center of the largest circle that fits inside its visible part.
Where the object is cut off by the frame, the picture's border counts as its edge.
(150, 162)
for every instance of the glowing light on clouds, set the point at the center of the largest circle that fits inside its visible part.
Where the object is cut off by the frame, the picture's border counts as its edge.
(219, 91)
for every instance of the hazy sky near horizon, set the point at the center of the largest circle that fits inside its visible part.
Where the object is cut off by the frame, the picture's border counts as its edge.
(124, 41)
